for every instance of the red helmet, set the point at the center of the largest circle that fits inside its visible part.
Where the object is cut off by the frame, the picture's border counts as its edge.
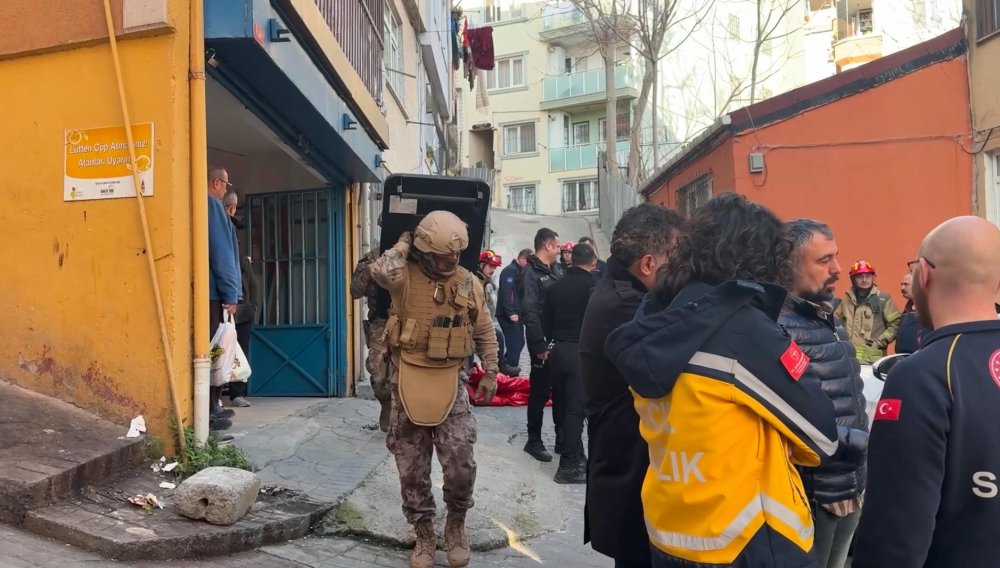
(491, 258)
(862, 267)
(567, 246)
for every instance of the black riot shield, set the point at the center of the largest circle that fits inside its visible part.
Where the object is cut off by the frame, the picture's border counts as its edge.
(407, 198)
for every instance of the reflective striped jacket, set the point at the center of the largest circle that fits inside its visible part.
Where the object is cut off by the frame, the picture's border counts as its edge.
(728, 408)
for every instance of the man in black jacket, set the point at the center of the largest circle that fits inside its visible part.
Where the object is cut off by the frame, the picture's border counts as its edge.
(602, 266)
(835, 488)
(562, 318)
(536, 277)
(618, 456)
(933, 496)
(509, 310)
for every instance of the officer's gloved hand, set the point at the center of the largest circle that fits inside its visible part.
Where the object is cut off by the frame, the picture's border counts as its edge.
(487, 387)
(407, 238)
(853, 445)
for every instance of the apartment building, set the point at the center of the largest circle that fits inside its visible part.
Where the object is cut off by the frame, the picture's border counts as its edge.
(544, 123)
(843, 34)
(983, 33)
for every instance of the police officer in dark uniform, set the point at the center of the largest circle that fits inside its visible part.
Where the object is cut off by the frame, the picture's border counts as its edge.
(562, 318)
(933, 496)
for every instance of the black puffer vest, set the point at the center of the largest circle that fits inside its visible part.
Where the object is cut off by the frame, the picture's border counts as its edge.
(832, 359)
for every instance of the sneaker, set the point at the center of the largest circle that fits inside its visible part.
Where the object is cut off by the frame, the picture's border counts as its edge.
(536, 449)
(223, 413)
(240, 402)
(219, 424)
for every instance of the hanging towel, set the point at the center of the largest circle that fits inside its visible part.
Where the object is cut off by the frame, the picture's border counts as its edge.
(482, 100)
(481, 45)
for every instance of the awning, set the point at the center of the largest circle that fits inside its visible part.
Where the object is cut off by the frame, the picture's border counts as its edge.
(253, 52)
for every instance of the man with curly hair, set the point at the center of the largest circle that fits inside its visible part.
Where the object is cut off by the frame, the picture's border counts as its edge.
(726, 401)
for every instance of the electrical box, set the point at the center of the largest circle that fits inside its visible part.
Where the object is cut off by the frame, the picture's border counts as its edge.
(756, 162)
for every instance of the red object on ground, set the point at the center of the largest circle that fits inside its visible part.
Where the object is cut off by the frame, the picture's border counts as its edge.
(511, 391)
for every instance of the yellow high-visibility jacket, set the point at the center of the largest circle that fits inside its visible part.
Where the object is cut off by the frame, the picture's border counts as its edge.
(727, 407)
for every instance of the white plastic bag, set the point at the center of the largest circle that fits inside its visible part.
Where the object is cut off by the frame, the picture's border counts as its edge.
(224, 347)
(241, 366)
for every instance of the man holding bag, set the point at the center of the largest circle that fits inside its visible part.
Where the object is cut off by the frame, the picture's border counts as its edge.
(225, 288)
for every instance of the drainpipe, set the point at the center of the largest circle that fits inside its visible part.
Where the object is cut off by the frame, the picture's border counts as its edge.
(199, 220)
(168, 357)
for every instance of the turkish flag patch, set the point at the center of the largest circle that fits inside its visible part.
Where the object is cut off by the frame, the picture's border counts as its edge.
(888, 409)
(795, 361)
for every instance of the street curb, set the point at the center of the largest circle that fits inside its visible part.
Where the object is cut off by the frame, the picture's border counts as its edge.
(131, 534)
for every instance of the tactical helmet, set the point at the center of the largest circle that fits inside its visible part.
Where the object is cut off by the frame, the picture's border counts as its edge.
(441, 232)
(862, 267)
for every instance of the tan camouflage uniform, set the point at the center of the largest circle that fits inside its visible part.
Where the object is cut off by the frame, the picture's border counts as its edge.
(377, 361)
(413, 445)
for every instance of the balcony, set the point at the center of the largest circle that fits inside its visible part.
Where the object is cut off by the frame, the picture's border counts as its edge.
(856, 50)
(587, 87)
(564, 27)
(358, 27)
(583, 157)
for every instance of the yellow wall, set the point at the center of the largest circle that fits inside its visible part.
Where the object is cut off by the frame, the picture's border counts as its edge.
(79, 316)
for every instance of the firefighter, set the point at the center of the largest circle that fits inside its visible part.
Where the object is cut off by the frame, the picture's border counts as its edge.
(869, 315)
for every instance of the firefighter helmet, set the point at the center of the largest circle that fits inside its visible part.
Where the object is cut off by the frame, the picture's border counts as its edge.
(862, 267)
(491, 258)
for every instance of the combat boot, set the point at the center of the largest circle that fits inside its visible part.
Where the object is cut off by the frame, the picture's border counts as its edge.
(423, 550)
(383, 416)
(456, 541)
(509, 370)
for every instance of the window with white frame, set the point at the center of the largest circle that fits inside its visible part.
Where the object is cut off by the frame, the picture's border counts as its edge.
(694, 194)
(579, 195)
(987, 18)
(519, 139)
(581, 133)
(521, 198)
(992, 163)
(392, 58)
(507, 73)
(503, 10)
(621, 127)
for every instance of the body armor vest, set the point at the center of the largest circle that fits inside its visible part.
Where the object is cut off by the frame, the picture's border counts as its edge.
(430, 326)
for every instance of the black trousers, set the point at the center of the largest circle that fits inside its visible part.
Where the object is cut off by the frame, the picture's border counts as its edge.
(564, 366)
(243, 330)
(538, 394)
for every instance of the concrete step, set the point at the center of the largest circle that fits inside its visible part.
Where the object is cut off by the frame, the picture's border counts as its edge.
(50, 450)
(103, 521)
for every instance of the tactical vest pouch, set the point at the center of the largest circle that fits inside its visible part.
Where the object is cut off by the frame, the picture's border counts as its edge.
(460, 298)
(438, 342)
(459, 342)
(391, 332)
(427, 388)
(409, 335)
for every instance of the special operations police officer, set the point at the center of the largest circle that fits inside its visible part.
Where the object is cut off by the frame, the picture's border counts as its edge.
(437, 320)
(934, 463)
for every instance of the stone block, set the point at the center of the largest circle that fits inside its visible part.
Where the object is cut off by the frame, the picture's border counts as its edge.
(219, 495)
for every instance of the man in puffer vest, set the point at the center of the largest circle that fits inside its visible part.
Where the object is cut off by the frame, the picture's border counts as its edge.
(868, 314)
(438, 318)
(835, 489)
(726, 402)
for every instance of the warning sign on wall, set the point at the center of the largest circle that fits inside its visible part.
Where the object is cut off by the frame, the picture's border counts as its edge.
(98, 165)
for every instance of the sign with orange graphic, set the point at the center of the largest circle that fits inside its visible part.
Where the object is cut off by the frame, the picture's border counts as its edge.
(98, 165)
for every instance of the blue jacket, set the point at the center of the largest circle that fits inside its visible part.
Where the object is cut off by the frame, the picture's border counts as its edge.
(507, 304)
(224, 281)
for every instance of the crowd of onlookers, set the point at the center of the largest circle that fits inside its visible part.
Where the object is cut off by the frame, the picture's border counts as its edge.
(720, 381)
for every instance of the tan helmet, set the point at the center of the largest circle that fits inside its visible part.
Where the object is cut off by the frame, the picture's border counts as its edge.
(441, 232)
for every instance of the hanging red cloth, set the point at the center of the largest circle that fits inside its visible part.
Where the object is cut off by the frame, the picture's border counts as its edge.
(481, 44)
